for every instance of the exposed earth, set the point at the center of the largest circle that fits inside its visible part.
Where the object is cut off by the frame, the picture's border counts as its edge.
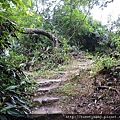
(75, 91)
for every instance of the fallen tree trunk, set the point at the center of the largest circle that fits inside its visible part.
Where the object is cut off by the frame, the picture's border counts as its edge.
(42, 32)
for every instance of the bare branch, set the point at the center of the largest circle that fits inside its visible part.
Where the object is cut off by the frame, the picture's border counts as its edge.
(42, 32)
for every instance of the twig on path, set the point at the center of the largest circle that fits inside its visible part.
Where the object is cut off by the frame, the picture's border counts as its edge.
(107, 87)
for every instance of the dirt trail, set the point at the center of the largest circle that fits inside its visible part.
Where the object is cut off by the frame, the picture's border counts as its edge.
(48, 103)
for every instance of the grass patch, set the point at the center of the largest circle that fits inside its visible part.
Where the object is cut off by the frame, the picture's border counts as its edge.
(77, 85)
(68, 89)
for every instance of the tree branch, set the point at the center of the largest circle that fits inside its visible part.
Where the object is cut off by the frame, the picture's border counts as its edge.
(42, 32)
(78, 27)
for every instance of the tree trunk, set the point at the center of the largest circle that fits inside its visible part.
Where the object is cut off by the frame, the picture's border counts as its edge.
(42, 32)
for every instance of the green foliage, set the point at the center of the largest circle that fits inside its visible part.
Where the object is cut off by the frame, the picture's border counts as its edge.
(67, 89)
(11, 57)
(13, 90)
(117, 43)
(40, 53)
(108, 52)
(18, 52)
(14, 84)
(106, 62)
(79, 29)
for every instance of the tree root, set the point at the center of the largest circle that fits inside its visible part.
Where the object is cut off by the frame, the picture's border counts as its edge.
(106, 87)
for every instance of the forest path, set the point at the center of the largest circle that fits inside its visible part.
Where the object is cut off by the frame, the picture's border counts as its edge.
(49, 103)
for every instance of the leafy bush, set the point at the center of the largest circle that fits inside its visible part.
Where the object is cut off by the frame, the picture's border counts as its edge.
(106, 61)
(14, 85)
(80, 30)
(13, 90)
(40, 52)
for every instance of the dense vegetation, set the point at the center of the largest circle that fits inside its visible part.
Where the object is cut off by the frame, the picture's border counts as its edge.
(69, 23)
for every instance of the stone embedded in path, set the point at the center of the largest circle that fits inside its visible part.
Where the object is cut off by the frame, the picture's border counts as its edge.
(47, 104)
(43, 113)
(46, 99)
(47, 89)
(42, 81)
(47, 110)
(47, 82)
